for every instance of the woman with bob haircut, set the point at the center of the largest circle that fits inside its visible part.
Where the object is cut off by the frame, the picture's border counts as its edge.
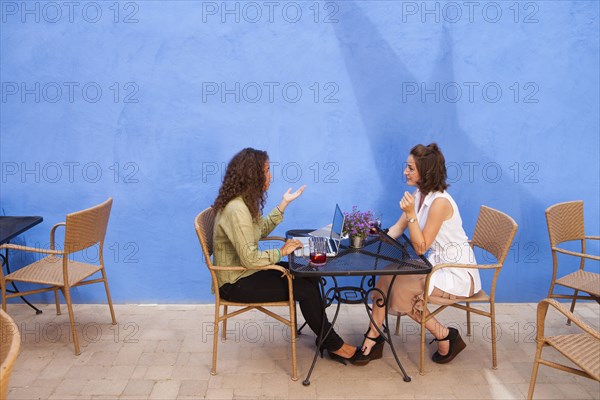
(435, 227)
(239, 225)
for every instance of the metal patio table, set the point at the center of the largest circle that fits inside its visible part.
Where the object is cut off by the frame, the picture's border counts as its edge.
(381, 255)
(11, 227)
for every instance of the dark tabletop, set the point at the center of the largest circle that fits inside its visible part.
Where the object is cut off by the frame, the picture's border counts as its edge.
(11, 227)
(381, 255)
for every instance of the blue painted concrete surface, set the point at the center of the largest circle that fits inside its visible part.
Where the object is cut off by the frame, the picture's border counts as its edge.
(146, 101)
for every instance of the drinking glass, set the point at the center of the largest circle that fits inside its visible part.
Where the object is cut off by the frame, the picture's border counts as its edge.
(375, 223)
(317, 250)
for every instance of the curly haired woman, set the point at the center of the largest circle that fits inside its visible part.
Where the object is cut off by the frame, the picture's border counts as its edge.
(238, 227)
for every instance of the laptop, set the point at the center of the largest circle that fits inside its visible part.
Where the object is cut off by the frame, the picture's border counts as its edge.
(333, 234)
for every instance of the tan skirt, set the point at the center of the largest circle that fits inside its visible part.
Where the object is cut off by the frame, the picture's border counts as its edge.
(407, 294)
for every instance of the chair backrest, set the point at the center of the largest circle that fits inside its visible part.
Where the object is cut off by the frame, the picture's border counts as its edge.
(10, 341)
(494, 232)
(565, 222)
(87, 227)
(205, 223)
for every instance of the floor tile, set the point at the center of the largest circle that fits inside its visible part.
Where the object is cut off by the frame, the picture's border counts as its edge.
(165, 352)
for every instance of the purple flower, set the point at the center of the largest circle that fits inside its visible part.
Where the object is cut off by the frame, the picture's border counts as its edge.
(357, 223)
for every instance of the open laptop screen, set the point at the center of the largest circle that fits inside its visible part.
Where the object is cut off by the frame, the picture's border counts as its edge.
(338, 224)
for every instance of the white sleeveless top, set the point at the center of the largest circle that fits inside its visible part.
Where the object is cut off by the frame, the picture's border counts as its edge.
(449, 246)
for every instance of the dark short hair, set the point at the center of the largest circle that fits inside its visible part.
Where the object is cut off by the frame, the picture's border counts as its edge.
(431, 166)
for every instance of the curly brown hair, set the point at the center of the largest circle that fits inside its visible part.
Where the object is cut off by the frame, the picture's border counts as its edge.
(245, 176)
(431, 165)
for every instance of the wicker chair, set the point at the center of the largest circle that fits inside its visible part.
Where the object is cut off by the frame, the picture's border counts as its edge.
(582, 349)
(204, 223)
(58, 271)
(565, 223)
(10, 341)
(494, 233)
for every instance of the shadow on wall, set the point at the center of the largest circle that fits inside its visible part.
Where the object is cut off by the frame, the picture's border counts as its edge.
(377, 72)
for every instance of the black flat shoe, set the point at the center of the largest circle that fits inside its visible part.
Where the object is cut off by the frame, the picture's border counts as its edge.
(375, 354)
(456, 346)
(343, 360)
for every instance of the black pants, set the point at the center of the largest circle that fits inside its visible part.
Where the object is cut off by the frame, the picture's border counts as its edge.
(269, 285)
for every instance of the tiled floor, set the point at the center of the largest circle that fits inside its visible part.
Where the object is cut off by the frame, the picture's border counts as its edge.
(164, 352)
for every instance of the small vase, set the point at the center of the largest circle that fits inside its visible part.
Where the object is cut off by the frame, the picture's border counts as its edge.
(357, 242)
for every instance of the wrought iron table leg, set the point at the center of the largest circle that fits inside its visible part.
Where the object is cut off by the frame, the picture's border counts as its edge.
(384, 331)
(405, 376)
(16, 290)
(322, 333)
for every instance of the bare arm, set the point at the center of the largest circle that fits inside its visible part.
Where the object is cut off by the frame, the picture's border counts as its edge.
(398, 228)
(441, 210)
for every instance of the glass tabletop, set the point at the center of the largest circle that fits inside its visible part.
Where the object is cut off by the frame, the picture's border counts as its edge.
(381, 255)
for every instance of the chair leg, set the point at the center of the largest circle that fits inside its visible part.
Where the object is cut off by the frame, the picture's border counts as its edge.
(58, 312)
(422, 352)
(493, 318)
(468, 319)
(398, 324)
(110, 305)
(67, 295)
(293, 332)
(298, 330)
(224, 324)
(3, 286)
(213, 370)
(536, 364)
(572, 305)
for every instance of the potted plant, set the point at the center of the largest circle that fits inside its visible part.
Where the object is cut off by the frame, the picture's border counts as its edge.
(357, 225)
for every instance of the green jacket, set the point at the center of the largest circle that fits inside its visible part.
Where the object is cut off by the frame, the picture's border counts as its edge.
(235, 240)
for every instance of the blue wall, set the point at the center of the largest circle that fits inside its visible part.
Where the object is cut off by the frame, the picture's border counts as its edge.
(146, 101)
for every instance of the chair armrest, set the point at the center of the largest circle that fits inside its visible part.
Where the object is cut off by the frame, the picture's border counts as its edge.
(216, 268)
(279, 238)
(31, 249)
(284, 271)
(52, 232)
(576, 254)
(592, 237)
(543, 309)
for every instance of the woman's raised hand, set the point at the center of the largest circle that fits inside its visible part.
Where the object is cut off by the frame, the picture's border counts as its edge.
(288, 196)
(407, 204)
